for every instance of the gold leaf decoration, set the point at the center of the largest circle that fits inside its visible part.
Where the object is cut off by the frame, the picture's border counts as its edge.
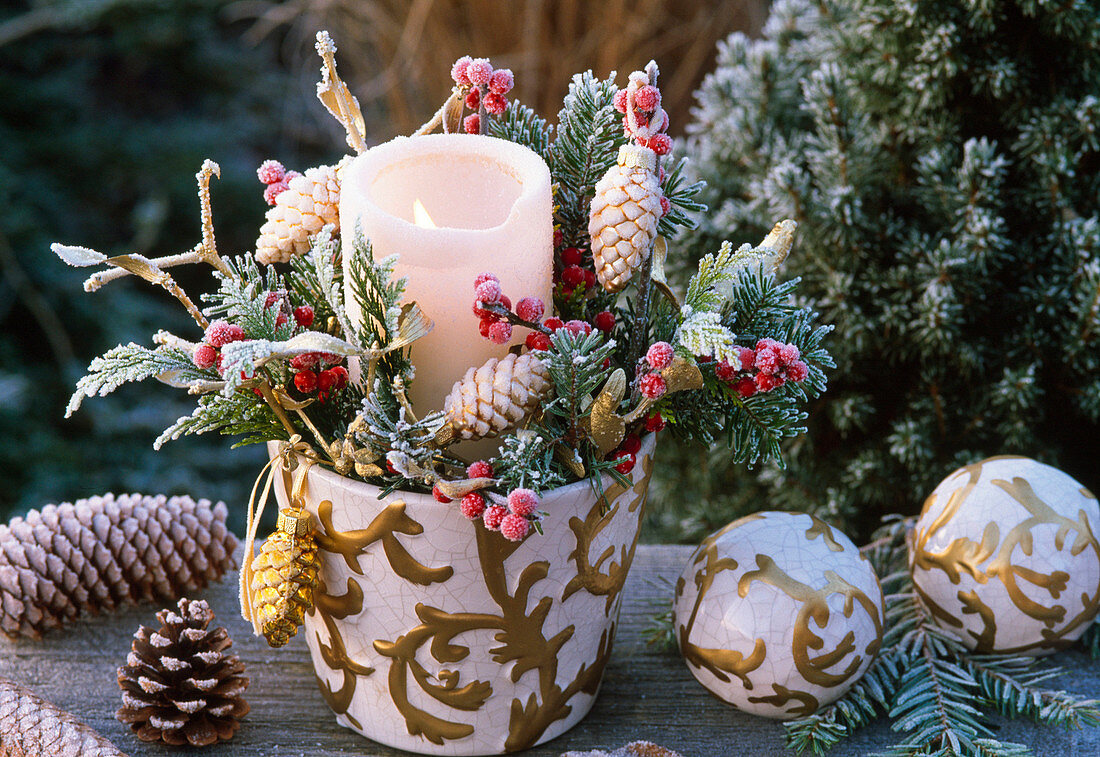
(606, 428)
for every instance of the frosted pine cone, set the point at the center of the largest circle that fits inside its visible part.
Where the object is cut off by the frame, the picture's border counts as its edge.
(107, 551)
(30, 725)
(496, 396)
(284, 576)
(624, 216)
(178, 686)
(308, 203)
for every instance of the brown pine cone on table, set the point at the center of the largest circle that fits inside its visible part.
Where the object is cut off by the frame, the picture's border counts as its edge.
(178, 685)
(64, 560)
(32, 727)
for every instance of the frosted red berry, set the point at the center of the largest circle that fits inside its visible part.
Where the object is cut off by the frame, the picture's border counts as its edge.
(473, 99)
(578, 328)
(589, 278)
(571, 256)
(479, 71)
(280, 320)
(647, 98)
(270, 172)
(440, 496)
(652, 386)
(479, 469)
(495, 104)
(305, 381)
(488, 292)
(471, 124)
(530, 309)
(631, 443)
(507, 303)
(798, 371)
(655, 423)
(502, 81)
(485, 276)
(303, 316)
(626, 463)
(308, 361)
(458, 70)
(572, 275)
(537, 340)
(270, 299)
(789, 353)
(666, 206)
(473, 505)
(553, 323)
(273, 190)
(523, 502)
(339, 376)
(724, 371)
(660, 144)
(766, 382)
(493, 516)
(748, 358)
(605, 321)
(514, 527)
(500, 332)
(659, 355)
(620, 101)
(484, 324)
(746, 387)
(204, 356)
(767, 359)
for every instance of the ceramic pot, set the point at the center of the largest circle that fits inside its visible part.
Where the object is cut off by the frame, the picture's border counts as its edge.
(434, 635)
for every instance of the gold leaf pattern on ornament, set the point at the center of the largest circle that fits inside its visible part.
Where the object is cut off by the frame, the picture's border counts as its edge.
(783, 696)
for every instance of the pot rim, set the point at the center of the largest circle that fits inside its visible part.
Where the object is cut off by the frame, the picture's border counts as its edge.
(649, 444)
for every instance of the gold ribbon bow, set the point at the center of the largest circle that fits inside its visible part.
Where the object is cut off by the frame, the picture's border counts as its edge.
(286, 460)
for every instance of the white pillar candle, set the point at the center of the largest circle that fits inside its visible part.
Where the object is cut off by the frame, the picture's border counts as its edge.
(489, 201)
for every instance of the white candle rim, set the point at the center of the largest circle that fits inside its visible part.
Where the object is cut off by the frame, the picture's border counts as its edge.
(528, 169)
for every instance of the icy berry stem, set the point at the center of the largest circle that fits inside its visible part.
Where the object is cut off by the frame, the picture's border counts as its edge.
(498, 309)
(208, 250)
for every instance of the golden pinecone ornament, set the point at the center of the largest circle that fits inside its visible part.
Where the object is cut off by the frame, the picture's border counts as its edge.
(624, 215)
(308, 203)
(178, 685)
(284, 575)
(496, 396)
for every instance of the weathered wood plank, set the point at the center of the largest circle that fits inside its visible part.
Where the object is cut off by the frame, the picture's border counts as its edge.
(645, 694)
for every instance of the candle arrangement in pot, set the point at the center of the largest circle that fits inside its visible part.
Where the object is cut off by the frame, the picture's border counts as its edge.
(461, 349)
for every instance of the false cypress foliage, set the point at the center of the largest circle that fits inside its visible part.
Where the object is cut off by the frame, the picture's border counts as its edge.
(107, 110)
(943, 162)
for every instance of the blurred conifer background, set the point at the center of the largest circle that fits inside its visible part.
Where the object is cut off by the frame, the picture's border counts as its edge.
(107, 110)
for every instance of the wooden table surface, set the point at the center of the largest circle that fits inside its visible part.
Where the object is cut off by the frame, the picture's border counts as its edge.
(646, 694)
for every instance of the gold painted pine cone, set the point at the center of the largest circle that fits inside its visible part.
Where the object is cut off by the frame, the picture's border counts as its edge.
(497, 396)
(300, 211)
(624, 216)
(178, 685)
(284, 575)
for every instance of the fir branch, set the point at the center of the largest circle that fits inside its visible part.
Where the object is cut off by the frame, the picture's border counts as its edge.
(239, 414)
(526, 460)
(683, 198)
(522, 125)
(587, 144)
(126, 364)
(241, 297)
(575, 365)
(1009, 683)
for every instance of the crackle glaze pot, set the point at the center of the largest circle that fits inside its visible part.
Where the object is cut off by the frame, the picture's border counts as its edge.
(434, 635)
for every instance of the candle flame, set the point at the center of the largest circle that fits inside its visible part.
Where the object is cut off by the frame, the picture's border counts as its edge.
(421, 217)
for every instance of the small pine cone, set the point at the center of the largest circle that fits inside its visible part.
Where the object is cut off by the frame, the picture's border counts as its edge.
(308, 203)
(624, 215)
(284, 576)
(496, 396)
(30, 727)
(178, 686)
(107, 551)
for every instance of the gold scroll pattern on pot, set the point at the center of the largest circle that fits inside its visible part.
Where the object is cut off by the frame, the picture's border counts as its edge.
(964, 554)
(522, 639)
(723, 663)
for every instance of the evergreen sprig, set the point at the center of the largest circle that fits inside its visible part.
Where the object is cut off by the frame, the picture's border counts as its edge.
(130, 363)
(588, 138)
(935, 691)
(575, 365)
(522, 125)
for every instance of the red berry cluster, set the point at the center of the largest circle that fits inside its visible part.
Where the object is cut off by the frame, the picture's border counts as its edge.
(513, 518)
(767, 367)
(218, 334)
(650, 121)
(319, 373)
(277, 179)
(651, 384)
(574, 275)
(626, 453)
(487, 88)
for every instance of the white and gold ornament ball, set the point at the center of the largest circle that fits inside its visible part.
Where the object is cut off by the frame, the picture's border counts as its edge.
(778, 614)
(1005, 556)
